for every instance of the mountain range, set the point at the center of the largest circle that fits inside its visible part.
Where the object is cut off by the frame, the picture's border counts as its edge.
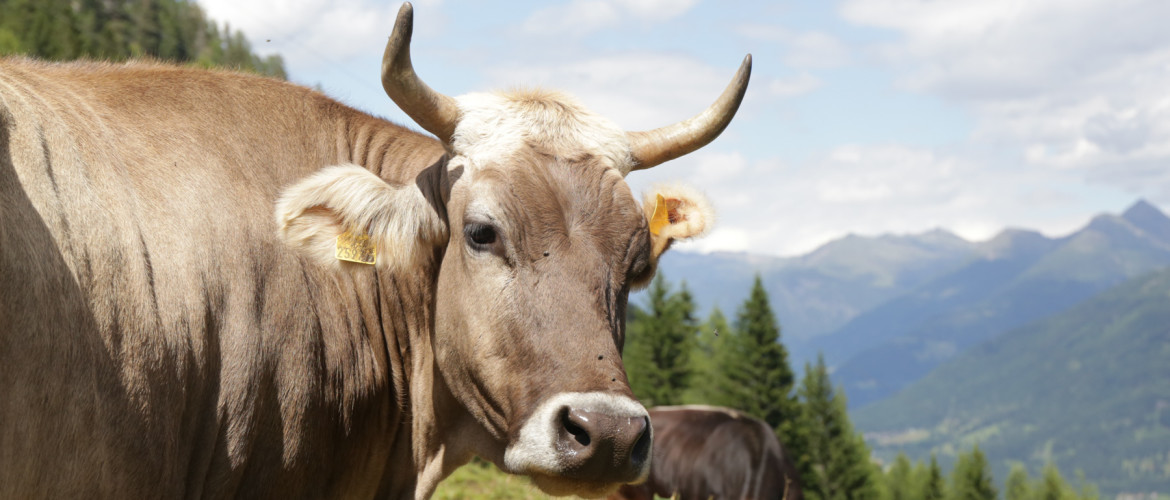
(819, 292)
(894, 313)
(884, 310)
(1017, 277)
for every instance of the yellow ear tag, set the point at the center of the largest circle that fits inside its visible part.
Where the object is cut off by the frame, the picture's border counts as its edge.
(355, 248)
(661, 217)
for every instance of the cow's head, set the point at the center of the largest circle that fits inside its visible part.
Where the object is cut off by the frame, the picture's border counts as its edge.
(541, 241)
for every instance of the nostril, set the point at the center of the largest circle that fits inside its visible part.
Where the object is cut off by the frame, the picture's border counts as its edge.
(574, 428)
(602, 441)
(641, 449)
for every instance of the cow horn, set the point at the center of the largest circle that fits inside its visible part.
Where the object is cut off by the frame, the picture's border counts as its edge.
(672, 141)
(431, 110)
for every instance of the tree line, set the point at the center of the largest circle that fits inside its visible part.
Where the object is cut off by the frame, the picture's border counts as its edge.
(117, 30)
(672, 357)
(971, 479)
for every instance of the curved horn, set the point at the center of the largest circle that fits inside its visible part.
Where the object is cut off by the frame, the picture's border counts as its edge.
(431, 110)
(672, 141)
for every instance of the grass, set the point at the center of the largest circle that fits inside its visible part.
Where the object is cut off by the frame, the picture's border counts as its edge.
(482, 480)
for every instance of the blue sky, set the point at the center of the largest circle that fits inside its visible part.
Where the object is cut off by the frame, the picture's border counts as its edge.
(863, 116)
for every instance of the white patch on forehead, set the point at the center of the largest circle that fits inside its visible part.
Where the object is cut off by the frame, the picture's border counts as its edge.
(495, 127)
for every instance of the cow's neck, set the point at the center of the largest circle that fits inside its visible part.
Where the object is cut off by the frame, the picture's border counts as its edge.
(395, 153)
(441, 430)
(407, 313)
(407, 302)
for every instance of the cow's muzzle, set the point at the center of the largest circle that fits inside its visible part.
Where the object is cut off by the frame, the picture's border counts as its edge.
(595, 443)
(583, 443)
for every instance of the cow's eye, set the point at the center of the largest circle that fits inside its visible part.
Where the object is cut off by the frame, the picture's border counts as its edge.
(640, 271)
(479, 236)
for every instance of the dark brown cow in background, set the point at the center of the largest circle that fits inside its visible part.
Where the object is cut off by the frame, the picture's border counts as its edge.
(176, 320)
(704, 452)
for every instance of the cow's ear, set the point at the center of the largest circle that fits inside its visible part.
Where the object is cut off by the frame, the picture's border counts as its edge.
(345, 216)
(675, 212)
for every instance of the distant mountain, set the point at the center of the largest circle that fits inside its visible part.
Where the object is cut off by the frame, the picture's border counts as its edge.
(984, 274)
(1017, 277)
(889, 260)
(1088, 389)
(816, 293)
(1149, 219)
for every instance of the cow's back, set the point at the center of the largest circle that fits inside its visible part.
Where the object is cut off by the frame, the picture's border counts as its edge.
(155, 339)
(703, 452)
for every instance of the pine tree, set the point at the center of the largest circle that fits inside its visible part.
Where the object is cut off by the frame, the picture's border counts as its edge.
(111, 32)
(238, 52)
(9, 42)
(919, 474)
(753, 371)
(659, 342)
(899, 481)
(816, 393)
(145, 31)
(934, 487)
(1017, 487)
(272, 65)
(1052, 485)
(52, 30)
(835, 465)
(712, 336)
(1087, 490)
(971, 477)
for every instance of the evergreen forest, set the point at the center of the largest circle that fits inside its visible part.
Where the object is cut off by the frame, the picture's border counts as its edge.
(674, 357)
(117, 30)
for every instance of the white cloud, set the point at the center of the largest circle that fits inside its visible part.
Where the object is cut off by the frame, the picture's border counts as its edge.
(816, 50)
(997, 49)
(802, 49)
(723, 239)
(576, 18)
(888, 174)
(793, 86)
(311, 34)
(581, 17)
(1069, 84)
(637, 90)
(658, 10)
(772, 207)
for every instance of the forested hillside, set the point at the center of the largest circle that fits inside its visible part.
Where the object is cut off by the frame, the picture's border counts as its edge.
(1087, 389)
(116, 30)
(1048, 363)
(672, 357)
(885, 310)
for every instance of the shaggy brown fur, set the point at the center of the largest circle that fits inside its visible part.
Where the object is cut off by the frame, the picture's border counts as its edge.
(156, 340)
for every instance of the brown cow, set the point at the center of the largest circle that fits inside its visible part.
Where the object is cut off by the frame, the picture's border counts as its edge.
(704, 452)
(163, 335)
